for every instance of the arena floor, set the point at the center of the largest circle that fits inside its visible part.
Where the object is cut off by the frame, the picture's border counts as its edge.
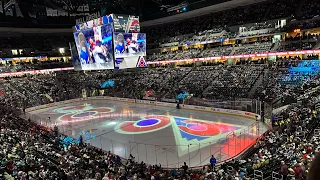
(153, 134)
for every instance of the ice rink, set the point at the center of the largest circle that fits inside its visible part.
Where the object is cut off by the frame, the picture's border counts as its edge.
(153, 134)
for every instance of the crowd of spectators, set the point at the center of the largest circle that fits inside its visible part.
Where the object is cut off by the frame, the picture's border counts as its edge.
(218, 51)
(198, 29)
(237, 16)
(305, 42)
(295, 46)
(257, 13)
(238, 78)
(193, 81)
(304, 24)
(34, 64)
(257, 26)
(210, 36)
(189, 53)
(133, 83)
(253, 48)
(299, 37)
(210, 27)
(279, 82)
(33, 151)
(30, 91)
(213, 51)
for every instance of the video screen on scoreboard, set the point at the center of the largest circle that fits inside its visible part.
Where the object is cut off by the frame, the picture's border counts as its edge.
(126, 23)
(130, 50)
(95, 47)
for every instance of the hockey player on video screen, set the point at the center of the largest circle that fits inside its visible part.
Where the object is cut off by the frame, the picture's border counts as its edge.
(84, 53)
(131, 47)
(119, 49)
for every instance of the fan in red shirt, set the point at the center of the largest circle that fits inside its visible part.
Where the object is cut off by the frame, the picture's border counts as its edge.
(196, 176)
(309, 150)
(304, 155)
(298, 172)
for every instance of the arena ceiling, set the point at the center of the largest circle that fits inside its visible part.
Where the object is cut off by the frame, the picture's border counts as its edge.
(146, 9)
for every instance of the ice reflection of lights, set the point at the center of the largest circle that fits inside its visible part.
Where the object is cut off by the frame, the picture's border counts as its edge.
(112, 123)
(255, 129)
(127, 111)
(112, 115)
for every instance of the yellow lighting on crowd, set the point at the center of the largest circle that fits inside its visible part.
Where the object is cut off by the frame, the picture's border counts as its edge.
(297, 30)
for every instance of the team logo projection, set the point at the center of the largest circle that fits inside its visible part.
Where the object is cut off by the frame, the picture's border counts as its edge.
(191, 129)
(195, 132)
(186, 131)
(82, 113)
(189, 133)
(195, 129)
(149, 124)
